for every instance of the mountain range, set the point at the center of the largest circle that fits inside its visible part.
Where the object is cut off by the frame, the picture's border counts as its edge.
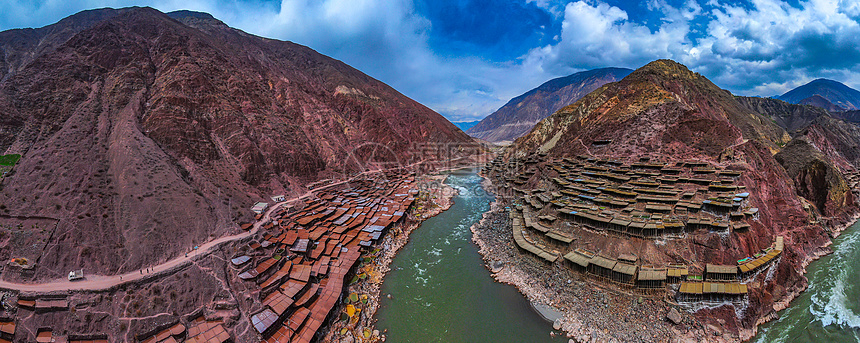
(520, 114)
(828, 94)
(144, 133)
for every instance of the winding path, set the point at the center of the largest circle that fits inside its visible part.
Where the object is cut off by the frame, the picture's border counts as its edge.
(104, 282)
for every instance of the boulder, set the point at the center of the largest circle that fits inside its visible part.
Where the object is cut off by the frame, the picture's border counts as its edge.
(674, 316)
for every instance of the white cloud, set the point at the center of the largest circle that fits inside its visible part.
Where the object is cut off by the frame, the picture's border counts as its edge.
(601, 35)
(385, 39)
(775, 47)
(764, 48)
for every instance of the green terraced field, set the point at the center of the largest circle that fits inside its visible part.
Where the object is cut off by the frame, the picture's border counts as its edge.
(9, 160)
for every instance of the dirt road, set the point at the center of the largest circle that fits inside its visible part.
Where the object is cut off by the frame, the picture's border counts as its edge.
(103, 282)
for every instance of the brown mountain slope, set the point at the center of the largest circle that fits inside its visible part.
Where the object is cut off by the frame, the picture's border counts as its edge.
(520, 114)
(820, 101)
(144, 135)
(849, 116)
(836, 137)
(789, 116)
(659, 108)
(668, 113)
(22, 46)
(822, 151)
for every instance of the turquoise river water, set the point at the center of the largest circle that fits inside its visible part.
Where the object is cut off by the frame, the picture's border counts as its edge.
(829, 311)
(441, 291)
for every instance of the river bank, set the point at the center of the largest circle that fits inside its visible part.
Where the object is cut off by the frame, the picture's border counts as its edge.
(435, 201)
(538, 281)
(590, 312)
(827, 310)
(440, 290)
(785, 304)
(794, 293)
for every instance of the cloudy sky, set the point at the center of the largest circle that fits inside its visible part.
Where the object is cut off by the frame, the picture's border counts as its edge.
(466, 58)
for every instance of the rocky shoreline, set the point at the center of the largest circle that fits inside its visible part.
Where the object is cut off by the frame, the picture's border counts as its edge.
(789, 297)
(537, 283)
(346, 331)
(591, 311)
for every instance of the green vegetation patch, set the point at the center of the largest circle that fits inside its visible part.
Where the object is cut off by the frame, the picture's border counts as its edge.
(9, 160)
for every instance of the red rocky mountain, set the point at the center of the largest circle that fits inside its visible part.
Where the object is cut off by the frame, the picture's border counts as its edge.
(145, 133)
(665, 112)
(823, 148)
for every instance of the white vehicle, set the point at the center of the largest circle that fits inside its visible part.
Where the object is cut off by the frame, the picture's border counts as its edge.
(76, 275)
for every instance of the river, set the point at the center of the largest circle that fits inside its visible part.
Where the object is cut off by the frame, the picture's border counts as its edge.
(441, 291)
(829, 311)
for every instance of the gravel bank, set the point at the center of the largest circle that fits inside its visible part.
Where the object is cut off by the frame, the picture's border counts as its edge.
(591, 313)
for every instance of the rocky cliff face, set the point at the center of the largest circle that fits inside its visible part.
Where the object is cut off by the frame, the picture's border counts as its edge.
(815, 177)
(519, 115)
(791, 117)
(144, 133)
(849, 116)
(667, 112)
(822, 151)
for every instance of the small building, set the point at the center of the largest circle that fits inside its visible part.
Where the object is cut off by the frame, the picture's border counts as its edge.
(579, 259)
(677, 273)
(259, 207)
(264, 320)
(7, 329)
(46, 305)
(624, 273)
(44, 335)
(651, 278)
(278, 198)
(690, 291)
(601, 266)
(628, 258)
(713, 291)
(238, 261)
(716, 272)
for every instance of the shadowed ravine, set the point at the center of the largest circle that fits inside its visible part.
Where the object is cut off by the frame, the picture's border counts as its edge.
(441, 291)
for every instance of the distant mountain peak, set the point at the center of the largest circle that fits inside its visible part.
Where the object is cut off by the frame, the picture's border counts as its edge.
(664, 66)
(521, 113)
(190, 14)
(823, 80)
(661, 107)
(836, 93)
